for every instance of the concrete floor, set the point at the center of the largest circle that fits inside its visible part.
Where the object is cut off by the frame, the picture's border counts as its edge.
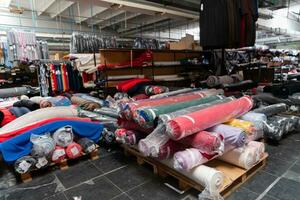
(114, 176)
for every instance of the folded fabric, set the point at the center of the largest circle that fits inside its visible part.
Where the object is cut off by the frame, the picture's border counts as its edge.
(272, 109)
(233, 136)
(6, 116)
(189, 124)
(146, 116)
(173, 93)
(28, 104)
(153, 90)
(190, 158)
(20, 145)
(10, 134)
(19, 111)
(38, 115)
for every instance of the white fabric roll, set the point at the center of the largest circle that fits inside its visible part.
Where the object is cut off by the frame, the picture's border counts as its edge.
(38, 115)
(208, 177)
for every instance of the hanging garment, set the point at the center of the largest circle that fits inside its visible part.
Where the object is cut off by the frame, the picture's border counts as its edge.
(71, 77)
(59, 78)
(53, 77)
(20, 145)
(189, 124)
(64, 75)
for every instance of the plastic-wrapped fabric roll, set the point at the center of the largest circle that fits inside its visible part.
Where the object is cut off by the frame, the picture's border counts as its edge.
(272, 109)
(133, 138)
(43, 145)
(59, 154)
(151, 144)
(153, 90)
(120, 95)
(146, 116)
(108, 136)
(277, 126)
(63, 136)
(73, 150)
(190, 158)
(211, 179)
(38, 115)
(168, 149)
(85, 104)
(259, 120)
(295, 98)
(90, 98)
(213, 81)
(24, 164)
(244, 157)
(246, 125)
(87, 145)
(107, 111)
(270, 99)
(13, 92)
(18, 111)
(206, 142)
(189, 124)
(130, 108)
(173, 93)
(131, 125)
(95, 116)
(260, 146)
(233, 136)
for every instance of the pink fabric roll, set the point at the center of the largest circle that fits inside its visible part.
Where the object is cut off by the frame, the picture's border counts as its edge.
(260, 146)
(168, 149)
(73, 150)
(189, 124)
(130, 109)
(205, 142)
(131, 125)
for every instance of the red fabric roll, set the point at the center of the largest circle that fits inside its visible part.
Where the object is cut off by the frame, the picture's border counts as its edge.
(73, 150)
(11, 134)
(205, 142)
(189, 124)
(130, 109)
(140, 97)
(131, 125)
(169, 149)
(124, 86)
(58, 155)
(7, 116)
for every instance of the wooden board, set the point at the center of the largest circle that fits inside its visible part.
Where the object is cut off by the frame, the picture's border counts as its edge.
(234, 176)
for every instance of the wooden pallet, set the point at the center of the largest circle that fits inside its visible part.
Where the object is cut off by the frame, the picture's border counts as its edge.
(291, 113)
(234, 176)
(63, 165)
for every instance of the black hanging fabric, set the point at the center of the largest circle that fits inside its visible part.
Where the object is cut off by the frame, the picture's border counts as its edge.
(228, 23)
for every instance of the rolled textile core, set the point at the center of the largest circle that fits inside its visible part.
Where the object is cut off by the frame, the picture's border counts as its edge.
(24, 164)
(153, 90)
(130, 108)
(208, 177)
(38, 115)
(151, 144)
(272, 109)
(189, 124)
(233, 136)
(73, 150)
(87, 145)
(146, 116)
(173, 93)
(190, 158)
(59, 154)
(244, 157)
(205, 142)
(63, 136)
(43, 145)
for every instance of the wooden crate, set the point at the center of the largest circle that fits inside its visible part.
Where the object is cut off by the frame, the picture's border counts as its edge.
(63, 165)
(234, 176)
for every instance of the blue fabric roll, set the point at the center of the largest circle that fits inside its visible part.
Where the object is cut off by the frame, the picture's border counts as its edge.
(19, 111)
(20, 145)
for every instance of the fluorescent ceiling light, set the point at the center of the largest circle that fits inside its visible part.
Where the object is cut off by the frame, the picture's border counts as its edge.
(5, 3)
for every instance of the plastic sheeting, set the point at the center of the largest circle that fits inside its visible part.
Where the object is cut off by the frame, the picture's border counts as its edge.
(191, 123)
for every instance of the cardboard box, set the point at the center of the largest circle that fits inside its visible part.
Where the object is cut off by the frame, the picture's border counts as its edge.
(185, 43)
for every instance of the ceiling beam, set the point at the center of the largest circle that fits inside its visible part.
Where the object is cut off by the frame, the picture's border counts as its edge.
(119, 19)
(144, 7)
(43, 5)
(58, 7)
(86, 10)
(104, 16)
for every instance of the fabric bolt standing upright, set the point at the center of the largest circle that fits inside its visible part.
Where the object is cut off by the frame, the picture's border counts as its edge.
(189, 124)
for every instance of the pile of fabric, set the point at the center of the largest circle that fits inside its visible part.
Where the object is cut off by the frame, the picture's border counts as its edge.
(190, 127)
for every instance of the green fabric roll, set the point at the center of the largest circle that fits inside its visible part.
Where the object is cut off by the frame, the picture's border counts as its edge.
(146, 116)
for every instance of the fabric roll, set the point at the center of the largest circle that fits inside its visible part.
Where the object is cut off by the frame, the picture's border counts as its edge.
(43, 145)
(58, 155)
(20, 145)
(189, 124)
(233, 136)
(19, 111)
(277, 126)
(10, 134)
(270, 99)
(63, 136)
(13, 92)
(206, 142)
(88, 146)
(73, 150)
(146, 116)
(140, 97)
(85, 104)
(244, 157)
(45, 103)
(95, 116)
(107, 111)
(190, 158)
(173, 93)
(24, 164)
(153, 90)
(259, 120)
(37, 99)
(260, 146)
(240, 86)
(91, 98)
(131, 125)
(37, 115)
(130, 108)
(59, 101)
(246, 125)
(128, 136)
(8, 102)
(211, 179)
(167, 150)
(213, 81)
(28, 104)
(295, 98)
(6, 116)
(272, 109)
